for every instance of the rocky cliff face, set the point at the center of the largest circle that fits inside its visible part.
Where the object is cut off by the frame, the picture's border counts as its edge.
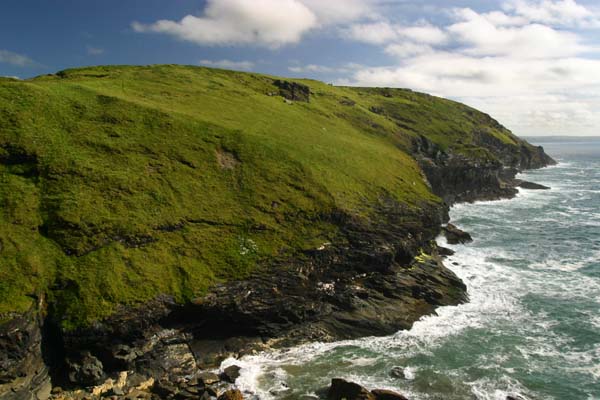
(455, 177)
(24, 373)
(375, 279)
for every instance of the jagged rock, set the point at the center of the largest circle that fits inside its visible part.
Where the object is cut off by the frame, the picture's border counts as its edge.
(115, 391)
(85, 369)
(139, 381)
(165, 388)
(457, 178)
(387, 395)
(231, 373)
(341, 389)
(218, 389)
(208, 378)
(124, 354)
(232, 394)
(445, 252)
(532, 186)
(23, 374)
(188, 394)
(398, 372)
(137, 395)
(455, 235)
(293, 91)
(167, 354)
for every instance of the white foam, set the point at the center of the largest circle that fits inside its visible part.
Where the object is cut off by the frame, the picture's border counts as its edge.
(486, 389)
(410, 373)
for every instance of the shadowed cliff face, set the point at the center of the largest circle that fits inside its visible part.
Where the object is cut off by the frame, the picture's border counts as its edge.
(457, 178)
(24, 373)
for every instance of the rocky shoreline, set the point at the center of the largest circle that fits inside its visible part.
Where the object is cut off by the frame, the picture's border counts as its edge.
(376, 279)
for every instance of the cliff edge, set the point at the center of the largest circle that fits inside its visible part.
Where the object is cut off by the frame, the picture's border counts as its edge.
(158, 219)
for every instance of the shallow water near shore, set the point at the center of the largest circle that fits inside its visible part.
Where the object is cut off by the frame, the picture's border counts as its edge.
(532, 326)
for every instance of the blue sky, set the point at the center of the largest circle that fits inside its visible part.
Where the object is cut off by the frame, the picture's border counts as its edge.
(532, 64)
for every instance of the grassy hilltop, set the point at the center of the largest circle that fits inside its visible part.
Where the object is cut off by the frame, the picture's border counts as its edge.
(120, 183)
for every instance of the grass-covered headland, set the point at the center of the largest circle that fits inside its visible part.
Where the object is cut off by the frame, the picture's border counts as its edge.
(121, 183)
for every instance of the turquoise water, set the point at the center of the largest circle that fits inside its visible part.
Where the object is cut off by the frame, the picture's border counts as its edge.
(532, 327)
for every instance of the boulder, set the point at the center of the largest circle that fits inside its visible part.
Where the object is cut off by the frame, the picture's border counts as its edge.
(341, 389)
(123, 355)
(164, 388)
(456, 236)
(85, 369)
(398, 372)
(231, 373)
(232, 394)
(387, 395)
(208, 378)
(445, 252)
(532, 186)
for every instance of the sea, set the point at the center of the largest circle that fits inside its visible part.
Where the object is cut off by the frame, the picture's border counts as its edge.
(531, 328)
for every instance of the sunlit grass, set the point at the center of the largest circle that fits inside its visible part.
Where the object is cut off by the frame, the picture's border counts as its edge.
(112, 191)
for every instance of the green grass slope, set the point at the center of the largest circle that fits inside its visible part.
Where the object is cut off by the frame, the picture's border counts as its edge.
(120, 183)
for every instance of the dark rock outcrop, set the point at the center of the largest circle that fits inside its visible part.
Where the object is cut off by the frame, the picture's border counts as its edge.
(445, 252)
(381, 394)
(531, 185)
(456, 236)
(23, 372)
(456, 177)
(232, 394)
(341, 389)
(85, 369)
(293, 91)
(231, 373)
(375, 279)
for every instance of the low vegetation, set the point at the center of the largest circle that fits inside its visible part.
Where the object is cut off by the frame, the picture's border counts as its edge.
(120, 183)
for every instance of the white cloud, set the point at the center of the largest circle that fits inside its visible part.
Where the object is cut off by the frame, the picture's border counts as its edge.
(373, 33)
(499, 18)
(228, 64)
(521, 64)
(19, 60)
(312, 68)
(323, 69)
(424, 33)
(270, 23)
(408, 49)
(554, 12)
(457, 75)
(531, 96)
(330, 12)
(483, 37)
(383, 32)
(94, 51)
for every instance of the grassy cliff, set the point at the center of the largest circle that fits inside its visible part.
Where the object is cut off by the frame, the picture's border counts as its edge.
(119, 183)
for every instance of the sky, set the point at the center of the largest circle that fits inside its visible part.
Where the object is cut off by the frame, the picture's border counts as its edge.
(532, 64)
